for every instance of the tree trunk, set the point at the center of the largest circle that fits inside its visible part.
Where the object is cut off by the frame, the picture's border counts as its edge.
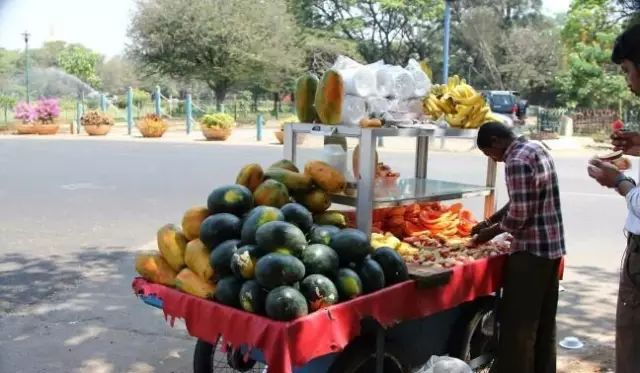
(221, 93)
(276, 98)
(5, 115)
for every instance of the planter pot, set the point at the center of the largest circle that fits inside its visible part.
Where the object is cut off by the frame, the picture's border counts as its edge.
(216, 134)
(280, 136)
(95, 130)
(153, 131)
(47, 128)
(26, 129)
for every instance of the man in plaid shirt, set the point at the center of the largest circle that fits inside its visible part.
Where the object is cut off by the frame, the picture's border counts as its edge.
(533, 217)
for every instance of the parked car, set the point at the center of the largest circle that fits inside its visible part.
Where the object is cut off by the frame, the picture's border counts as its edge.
(508, 103)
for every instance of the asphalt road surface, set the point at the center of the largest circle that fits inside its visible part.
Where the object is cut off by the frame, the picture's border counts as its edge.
(72, 214)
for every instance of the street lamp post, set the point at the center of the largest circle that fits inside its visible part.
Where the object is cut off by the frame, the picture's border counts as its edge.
(447, 27)
(26, 62)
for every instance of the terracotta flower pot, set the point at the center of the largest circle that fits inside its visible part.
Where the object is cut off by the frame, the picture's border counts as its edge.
(47, 128)
(280, 136)
(26, 129)
(152, 131)
(216, 134)
(97, 130)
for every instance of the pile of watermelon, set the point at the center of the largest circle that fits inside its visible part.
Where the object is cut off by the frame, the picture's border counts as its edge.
(277, 262)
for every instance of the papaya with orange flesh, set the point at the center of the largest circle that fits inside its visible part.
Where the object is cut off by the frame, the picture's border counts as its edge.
(306, 87)
(330, 97)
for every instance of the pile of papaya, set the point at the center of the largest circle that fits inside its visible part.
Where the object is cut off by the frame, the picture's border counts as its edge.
(269, 245)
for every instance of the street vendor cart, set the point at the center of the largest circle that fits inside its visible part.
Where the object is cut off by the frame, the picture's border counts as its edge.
(396, 329)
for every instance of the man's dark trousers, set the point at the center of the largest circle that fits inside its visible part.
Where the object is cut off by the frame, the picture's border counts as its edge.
(527, 315)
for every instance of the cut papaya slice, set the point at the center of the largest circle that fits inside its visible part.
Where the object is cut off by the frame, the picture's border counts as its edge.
(455, 208)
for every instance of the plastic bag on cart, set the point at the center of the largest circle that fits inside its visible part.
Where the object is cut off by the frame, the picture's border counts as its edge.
(444, 364)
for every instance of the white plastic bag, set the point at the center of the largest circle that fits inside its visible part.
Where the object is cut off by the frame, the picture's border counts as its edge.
(377, 105)
(353, 110)
(359, 80)
(421, 80)
(445, 364)
(403, 84)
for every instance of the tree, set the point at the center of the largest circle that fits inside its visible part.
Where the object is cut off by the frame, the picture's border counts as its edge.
(590, 79)
(393, 30)
(224, 43)
(117, 74)
(6, 103)
(48, 55)
(80, 62)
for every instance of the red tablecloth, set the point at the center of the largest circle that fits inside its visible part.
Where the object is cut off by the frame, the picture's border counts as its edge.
(289, 344)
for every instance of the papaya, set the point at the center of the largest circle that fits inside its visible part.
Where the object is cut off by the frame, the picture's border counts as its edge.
(250, 176)
(285, 164)
(190, 283)
(196, 257)
(355, 161)
(326, 177)
(316, 200)
(294, 181)
(330, 97)
(192, 220)
(305, 95)
(335, 218)
(152, 267)
(271, 193)
(172, 244)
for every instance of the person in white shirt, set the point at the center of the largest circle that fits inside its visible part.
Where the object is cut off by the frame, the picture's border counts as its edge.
(626, 52)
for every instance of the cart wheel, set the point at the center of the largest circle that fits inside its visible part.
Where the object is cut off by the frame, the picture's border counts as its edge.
(207, 358)
(360, 357)
(480, 341)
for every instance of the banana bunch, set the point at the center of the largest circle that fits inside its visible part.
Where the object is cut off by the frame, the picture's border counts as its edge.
(458, 103)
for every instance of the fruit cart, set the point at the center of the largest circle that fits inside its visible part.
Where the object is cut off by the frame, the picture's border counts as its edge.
(396, 329)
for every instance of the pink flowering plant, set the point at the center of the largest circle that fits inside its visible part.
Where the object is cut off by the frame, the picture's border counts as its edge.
(25, 112)
(47, 110)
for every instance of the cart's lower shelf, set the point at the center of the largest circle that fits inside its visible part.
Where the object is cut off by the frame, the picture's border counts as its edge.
(407, 191)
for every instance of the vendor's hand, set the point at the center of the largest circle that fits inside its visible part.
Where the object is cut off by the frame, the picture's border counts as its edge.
(479, 227)
(485, 235)
(627, 141)
(604, 173)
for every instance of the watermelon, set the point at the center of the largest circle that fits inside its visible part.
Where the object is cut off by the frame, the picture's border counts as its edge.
(348, 284)
(319, 291)
(322, 234)
(220, 257)
(243, 262)
(257, 218)
(233, 199)
(320, 259)
(253, 297)
(394, 268)
(273, 270)
(279, 236)
(351, 245)
(228, 291)
(285, 303)
(219, 228)
(371, 275)
(298, 215)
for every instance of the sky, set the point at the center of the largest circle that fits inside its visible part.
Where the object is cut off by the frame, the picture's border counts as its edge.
(98, 24)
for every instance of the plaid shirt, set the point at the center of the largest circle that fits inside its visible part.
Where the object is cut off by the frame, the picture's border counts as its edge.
(533, 217)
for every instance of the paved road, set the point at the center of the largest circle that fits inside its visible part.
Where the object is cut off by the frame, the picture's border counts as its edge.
(73, 212)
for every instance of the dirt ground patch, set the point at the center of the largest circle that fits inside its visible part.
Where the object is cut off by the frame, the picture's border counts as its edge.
(588, 360)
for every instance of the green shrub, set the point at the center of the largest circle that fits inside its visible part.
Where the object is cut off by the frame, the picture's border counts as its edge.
(218, 120)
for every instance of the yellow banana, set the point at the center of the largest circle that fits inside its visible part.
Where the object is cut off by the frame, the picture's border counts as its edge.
(477, 99)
